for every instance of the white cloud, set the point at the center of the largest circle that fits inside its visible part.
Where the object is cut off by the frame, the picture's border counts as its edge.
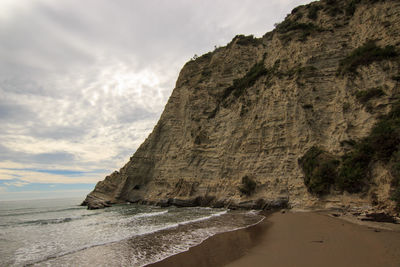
(16, 183)
(38, 194)
(31, 176)
(6, 174)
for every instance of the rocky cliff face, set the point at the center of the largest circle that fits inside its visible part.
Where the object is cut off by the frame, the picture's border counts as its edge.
(241, 117)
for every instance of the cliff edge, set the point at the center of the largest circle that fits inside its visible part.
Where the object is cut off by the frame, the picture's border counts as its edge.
(276, 121)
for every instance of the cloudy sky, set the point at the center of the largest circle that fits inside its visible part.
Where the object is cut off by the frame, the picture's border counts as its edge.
(82, 83)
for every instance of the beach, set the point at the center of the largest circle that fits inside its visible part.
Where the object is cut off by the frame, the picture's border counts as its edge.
(296, 239)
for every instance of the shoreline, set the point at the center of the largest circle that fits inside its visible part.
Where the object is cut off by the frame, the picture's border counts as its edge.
(296, 239)
(217, 250)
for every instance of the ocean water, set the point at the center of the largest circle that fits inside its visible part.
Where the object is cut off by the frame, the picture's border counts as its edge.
(59, 232)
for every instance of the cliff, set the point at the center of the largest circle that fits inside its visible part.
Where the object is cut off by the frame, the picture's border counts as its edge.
(242, 119)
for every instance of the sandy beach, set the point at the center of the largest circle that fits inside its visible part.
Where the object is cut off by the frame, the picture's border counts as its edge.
(296, 239)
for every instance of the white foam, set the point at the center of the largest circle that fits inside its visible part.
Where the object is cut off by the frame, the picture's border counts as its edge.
(254, 212)
(118, 236)
(199, 237)
(150, 214)
(203, 218)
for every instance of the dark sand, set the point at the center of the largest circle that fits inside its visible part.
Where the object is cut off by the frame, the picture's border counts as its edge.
(295, 239)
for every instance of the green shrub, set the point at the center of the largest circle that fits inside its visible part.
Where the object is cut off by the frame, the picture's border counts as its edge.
(348, 142)
(247, 40)
(334, 11)
(248, 80)
(350, 8)
(365, 55)
(298, 16)
(307, 106)
(301, 70)
(206, 56)
(396, 195)
(346, 107)
(382, 144)
(332, 8)
(200, 138)
(295, 10)
(313, 12)
(320, 171)
(365, 96)
(289, 25)
(353, 171)
(385, 139)
(395, 171)
(206, 73)
(248, 186)
(331, 2)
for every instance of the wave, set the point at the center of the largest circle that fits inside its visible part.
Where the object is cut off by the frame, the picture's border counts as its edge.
(133, 218)
(40, 211)
(48, 221)
(52, 221)
(150, 214)
(203, 218)
(149, 232)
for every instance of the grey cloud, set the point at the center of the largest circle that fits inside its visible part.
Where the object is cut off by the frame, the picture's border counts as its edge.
(54, 157)
(129, 114)
(48, 158)
(14, 113)
(60, 132)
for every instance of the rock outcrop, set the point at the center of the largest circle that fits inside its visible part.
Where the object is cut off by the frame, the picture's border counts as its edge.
(255, 107)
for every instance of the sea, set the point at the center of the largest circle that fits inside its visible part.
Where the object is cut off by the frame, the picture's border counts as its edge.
(59, 232)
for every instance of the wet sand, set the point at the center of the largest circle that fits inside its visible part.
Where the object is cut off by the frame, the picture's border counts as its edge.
(295, 239)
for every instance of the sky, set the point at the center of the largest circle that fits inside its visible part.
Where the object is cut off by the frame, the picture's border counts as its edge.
(82, 83)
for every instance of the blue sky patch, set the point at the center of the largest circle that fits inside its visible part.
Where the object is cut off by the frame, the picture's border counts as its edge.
(60, 172)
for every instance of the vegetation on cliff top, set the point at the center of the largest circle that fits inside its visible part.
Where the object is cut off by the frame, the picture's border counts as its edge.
(247, 40)
(289, 25)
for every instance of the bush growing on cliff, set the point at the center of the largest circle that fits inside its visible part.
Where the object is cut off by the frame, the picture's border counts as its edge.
(320, 171)
(333, 8)
(365, 96)
(313, 12)
(247, 40)
(365, 55)
(395, 171)
(331, 2)
(248, 80)
(351, 7)
(353, 172)
(289, 25)
(381, 145)
(248, 186)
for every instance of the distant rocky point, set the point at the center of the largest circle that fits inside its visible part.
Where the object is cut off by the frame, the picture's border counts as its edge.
(306, 116)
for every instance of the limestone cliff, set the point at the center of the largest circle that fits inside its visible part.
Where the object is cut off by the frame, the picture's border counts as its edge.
(241, 117)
